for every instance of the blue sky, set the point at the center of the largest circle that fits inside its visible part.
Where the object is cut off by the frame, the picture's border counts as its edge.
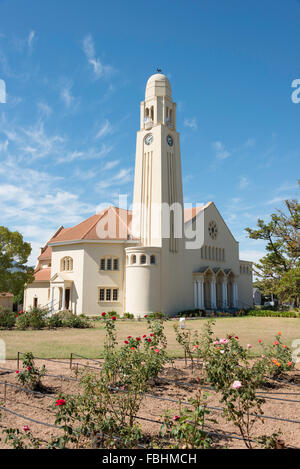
(75, 73)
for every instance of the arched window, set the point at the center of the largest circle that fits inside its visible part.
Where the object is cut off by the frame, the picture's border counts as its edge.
(152, 259)
(133, 259)
(66, 264)
(143, 259)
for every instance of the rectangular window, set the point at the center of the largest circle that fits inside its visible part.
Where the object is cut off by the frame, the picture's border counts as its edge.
(116, 264)
(108, 265)
(108, 294)
(101, 294)
(115, 294)
(102, 264)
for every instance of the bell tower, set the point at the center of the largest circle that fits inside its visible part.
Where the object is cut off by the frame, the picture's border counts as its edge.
(158, 201)
(155, 267)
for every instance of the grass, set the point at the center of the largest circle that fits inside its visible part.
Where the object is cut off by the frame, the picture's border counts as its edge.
(89, 342)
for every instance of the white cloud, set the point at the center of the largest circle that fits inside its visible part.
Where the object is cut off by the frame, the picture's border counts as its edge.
(122, 177)
(3, 146)
(67, 96)
(105, 129)
(110, 165)
(85, 155)
(99, 69)
(243, 183)
(252, 255)
(30, 39)
(221, 152)
(44, 109)
(191, 123)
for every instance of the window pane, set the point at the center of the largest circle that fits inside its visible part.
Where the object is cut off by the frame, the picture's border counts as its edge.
(115, 294)
(102, 264)
(143, 259)
(152, 259)
(102, 294)
(108, 294)
(116, 264)
(108, 264)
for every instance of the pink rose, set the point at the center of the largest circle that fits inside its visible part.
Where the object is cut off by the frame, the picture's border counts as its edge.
(249, 345)
(236, 385)
(26, 428)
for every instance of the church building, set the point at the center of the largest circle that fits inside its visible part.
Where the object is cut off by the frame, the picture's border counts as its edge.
(159, 256)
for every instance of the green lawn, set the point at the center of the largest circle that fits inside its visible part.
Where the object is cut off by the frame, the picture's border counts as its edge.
(89, 342)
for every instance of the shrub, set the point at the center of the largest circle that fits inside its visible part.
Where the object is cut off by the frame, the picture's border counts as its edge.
(156, 315)
(228, 369)
(7, 319)
(55, 321)
(33, 318)
(77, 322)
(128, 316)
(31, 375)
(187, 428)
(276, 358)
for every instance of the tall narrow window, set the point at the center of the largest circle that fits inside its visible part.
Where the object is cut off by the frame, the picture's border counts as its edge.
(116, 264)
(102, 263)
(115, 294)
(152, 259)
(143, 259)
(108, 294)
(108, 264)
(101, 294)
(133, 259)
(66, 264)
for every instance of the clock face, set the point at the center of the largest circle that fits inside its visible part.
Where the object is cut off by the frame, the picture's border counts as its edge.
(212, 229)
(148, 139)
(169, 140)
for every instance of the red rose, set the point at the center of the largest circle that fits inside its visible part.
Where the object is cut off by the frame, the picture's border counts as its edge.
(28, 368)
(276, 342)
(103, 314)
(146, 315)
(236, 337)
(151, 335)
(149, 340)
(129, 337)
(17, 372)
(176, 417)
(138, 338)
(144, 336)
(60, 402)
(126, 342)
(114, 318)
(259, 341)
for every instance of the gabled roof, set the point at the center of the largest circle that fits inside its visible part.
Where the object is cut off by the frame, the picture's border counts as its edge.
(42, 275)
(190, 213)
(112, 223)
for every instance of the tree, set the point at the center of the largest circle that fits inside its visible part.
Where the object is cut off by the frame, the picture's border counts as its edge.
(14, 272)
(278, 271)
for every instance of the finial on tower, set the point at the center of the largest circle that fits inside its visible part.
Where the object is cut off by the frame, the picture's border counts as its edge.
(159, 70)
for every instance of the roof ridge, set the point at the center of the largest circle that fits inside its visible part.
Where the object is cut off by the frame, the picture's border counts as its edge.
(99, 215)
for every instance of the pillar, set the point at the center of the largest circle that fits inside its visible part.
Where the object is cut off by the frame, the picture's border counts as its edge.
(52, 300)
(224, 294)
(63, 303)
(200, 294)
(213, 299)
(235, 295)
(195, 295)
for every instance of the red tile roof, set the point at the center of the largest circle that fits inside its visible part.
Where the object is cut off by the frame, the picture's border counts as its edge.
(42, 275)
(112, 223)
(6, 294)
